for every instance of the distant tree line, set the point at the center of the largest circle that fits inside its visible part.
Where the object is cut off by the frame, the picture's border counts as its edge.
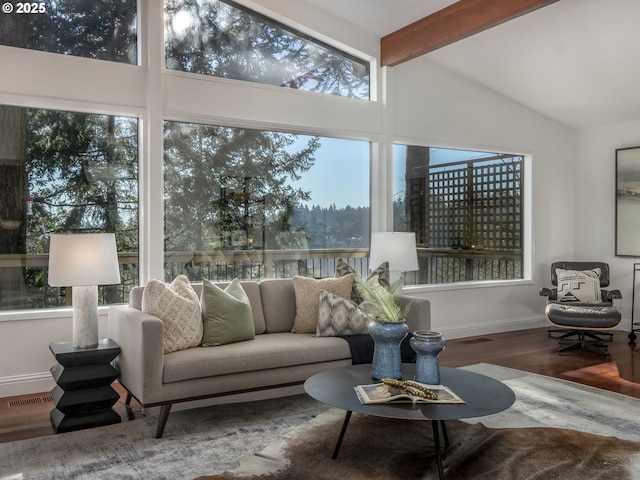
(332, 227)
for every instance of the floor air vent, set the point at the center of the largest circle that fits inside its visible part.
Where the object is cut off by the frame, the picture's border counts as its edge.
(27, 402)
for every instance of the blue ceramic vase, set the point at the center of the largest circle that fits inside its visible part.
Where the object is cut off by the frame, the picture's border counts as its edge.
(387, 361)
(427, 345)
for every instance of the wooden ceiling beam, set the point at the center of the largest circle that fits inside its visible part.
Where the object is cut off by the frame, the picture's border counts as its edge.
(455, 22)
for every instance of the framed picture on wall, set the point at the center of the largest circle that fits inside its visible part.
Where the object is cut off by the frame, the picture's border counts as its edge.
(628, 202)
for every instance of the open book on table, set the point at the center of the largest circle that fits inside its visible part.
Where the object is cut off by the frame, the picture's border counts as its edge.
(382, 393)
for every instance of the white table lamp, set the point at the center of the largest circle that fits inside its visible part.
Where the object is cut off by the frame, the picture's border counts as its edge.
(84, 261)
(397, 248)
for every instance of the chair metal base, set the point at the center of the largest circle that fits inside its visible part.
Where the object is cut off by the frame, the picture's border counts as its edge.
(563, 334)
(595, 346)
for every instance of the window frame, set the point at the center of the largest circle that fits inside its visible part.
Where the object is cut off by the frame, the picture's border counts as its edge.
(526, 196)
(293, 130)
(300, 30)
(138, 35)
(93, 109)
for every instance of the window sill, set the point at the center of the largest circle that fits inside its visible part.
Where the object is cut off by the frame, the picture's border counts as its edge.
(43, 314)
(425, 288)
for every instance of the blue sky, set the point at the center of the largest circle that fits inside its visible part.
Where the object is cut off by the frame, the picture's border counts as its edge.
(340, 174)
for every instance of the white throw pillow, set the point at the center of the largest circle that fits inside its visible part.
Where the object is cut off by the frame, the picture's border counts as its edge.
(579, 285)
(178, 306)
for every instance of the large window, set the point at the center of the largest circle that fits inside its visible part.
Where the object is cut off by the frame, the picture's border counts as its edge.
(254, 203)
(102, 29)
(224, 39)
(63, 172)
(466, 210)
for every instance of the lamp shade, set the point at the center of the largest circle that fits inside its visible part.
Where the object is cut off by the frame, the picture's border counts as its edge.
(397, 248)
(83, 259)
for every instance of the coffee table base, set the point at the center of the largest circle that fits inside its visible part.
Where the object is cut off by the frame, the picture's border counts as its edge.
(436, 439)
(482, 396)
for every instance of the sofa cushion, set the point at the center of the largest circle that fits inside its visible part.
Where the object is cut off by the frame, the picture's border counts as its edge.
(178, 306)
(307, 292)
(278, 304)
(226, 314)
(579, 285)
(270, 351)
(339, 316)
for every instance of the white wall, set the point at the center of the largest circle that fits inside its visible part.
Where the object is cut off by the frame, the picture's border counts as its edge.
(423, 103)
(595, 204)
(433, 106)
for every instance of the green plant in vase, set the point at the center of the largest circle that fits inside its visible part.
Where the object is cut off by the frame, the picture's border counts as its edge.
(388, 327)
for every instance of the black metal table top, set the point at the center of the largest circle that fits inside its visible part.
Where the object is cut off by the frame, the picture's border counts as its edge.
(482, 395)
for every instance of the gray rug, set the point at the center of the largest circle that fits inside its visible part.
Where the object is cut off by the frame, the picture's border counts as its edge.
(211, 440)
(195, 442)
(547, 402)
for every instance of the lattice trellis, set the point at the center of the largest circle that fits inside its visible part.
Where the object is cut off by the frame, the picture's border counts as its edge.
(470, 204)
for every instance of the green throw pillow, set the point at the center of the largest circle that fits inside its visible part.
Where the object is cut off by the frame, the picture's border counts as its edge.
(226, 314)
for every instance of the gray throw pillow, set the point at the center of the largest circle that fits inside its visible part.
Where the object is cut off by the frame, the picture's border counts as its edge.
(226, 314)
(339, 316)
(382, 272)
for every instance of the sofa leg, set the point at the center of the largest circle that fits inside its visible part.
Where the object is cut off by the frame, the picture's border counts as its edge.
(162, 419)
(127, 406)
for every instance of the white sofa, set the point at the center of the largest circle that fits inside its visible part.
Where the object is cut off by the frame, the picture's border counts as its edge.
(275, 358)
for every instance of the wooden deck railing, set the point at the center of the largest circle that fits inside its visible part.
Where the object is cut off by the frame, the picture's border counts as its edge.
(437, 266)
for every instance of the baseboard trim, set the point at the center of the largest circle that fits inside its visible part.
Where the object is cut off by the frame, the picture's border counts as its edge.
(27, 384)
(488, 328)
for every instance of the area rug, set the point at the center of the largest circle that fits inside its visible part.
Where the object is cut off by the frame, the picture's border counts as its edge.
(211, 440)
(195, 442)
(586, 441)
(386, 449)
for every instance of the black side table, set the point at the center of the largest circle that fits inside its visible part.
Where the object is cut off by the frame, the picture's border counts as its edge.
(83, 395)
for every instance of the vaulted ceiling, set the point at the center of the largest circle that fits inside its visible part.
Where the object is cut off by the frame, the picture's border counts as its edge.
(575, 61)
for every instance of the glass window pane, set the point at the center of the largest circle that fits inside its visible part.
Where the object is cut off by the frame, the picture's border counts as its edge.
(224, 39)
(466, 210)
(102, 29)
(64, 172)
(253, 203)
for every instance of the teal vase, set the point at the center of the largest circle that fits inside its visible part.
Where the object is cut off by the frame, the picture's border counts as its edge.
(427, 345)
(387, 361)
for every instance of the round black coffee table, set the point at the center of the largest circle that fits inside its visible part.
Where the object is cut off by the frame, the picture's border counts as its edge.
(482, 396)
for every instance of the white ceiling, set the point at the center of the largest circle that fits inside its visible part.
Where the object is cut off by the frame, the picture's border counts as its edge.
(575, 61)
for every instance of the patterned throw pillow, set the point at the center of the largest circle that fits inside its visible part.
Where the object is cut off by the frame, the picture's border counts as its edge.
(382, 272)
(339, 316)
(226, 314)
(307, 291)
(579, 286)
(178, 306)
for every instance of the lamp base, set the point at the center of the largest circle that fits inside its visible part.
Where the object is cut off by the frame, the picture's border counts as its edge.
(85, 316)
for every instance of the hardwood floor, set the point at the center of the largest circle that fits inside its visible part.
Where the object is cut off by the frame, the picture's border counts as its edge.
(27, 416)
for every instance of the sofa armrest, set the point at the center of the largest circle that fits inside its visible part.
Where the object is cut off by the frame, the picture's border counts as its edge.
(141, 359)
(419, 316)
